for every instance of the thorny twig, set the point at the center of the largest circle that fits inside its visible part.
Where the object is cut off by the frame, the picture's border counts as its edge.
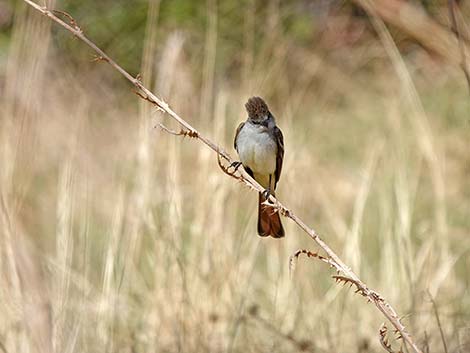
(248, 181)
(226, 170)
(382, 305)
(371, 295)
(295, 257)
(182, 132)
(384, 340)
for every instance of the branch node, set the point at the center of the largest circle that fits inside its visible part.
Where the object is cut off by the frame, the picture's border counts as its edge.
(285, 212)
(146, 98)
(97, 58)
(71, 20)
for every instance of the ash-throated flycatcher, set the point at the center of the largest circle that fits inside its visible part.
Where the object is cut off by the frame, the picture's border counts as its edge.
(260, 145)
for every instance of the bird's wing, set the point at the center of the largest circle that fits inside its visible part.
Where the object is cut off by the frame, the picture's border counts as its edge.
(280, 153)
(236, 135)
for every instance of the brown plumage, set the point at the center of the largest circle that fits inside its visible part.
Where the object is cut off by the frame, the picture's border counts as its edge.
(269, 222)
(256, 108)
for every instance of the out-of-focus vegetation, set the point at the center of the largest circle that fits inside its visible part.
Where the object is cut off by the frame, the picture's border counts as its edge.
(326, 26)
(118, 237)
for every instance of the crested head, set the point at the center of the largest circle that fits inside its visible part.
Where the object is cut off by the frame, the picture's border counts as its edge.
(257, 109)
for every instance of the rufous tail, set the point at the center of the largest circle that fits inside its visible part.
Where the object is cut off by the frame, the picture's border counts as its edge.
(269, 222)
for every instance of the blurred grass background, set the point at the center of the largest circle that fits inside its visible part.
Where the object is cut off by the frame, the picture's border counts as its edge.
(118, 237)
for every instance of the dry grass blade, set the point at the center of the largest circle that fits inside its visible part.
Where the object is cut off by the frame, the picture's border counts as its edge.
(456, 29)
(303, 345)
(335, 260)
(414, 21)
(436, 313)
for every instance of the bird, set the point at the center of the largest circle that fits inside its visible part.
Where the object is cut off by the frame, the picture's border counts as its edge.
(260, 146)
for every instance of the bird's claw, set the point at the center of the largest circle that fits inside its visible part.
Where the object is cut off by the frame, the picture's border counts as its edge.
(266, 193)
(235, 165)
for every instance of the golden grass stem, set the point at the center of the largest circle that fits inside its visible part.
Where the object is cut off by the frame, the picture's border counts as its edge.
(441, 331)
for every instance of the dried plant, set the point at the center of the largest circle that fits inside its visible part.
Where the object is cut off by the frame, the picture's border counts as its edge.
(404, 15)
(346, 275)
(441, 331)
(414, 21)
(384, 340)
(452, 5)
(294, 257)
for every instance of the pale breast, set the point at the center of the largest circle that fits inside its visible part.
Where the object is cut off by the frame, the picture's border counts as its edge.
(257, 149)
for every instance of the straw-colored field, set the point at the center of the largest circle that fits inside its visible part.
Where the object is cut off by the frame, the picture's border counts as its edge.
(118, 237)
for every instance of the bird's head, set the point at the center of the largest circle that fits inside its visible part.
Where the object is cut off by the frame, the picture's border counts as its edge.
(258, 111)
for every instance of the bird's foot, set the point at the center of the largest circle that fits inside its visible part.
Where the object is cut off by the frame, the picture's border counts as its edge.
(266, 193)
(235, 165)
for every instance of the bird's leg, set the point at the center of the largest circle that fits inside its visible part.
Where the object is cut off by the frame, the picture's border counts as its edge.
(267, 192)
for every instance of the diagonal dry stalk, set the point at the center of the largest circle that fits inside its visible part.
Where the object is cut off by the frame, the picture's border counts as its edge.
(187, 130)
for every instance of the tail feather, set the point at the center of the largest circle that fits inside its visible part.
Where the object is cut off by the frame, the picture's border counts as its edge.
(269, 222)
